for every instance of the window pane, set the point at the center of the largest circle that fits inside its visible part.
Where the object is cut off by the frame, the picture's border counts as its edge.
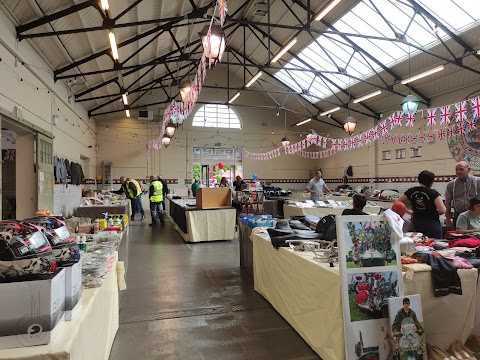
(216, 115)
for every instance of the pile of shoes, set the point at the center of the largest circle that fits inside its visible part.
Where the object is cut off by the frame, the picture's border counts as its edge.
(456, 351)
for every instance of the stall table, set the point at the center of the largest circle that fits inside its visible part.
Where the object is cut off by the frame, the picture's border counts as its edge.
(294, 210)
(96, 211)
(196, 225)
(246, 247)
(89, 335)
(307, 294)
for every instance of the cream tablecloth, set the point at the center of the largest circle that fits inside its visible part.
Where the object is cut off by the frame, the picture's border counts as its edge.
(88, 336)
(307, 294)
(293, 210)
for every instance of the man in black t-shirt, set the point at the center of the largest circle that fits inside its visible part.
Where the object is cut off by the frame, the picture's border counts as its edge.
(427, 205)
(359, 202)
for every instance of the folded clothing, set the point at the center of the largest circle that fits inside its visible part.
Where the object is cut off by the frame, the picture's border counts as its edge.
(468, 242)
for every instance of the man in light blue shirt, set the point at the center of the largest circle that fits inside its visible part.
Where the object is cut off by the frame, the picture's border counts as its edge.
(317, 187)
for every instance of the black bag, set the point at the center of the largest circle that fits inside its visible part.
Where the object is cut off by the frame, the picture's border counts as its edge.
(327, 228)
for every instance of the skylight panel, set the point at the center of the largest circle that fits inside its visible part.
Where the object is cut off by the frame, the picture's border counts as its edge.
(449, 13)
(470, 7)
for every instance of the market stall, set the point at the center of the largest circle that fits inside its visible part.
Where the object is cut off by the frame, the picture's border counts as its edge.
(196, 225)
(294, 210)
(97, 211)
(307, 294)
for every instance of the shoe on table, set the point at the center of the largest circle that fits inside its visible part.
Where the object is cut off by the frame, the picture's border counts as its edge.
(143, 217)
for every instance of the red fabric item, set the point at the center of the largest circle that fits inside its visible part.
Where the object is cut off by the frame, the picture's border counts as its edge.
(468, 242)
(428, 242)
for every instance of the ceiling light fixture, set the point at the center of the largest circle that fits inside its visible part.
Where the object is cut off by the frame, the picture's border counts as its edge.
(234, 97)
(422, 75)
(185, 88)
(170, 129)
(255, 78)
(127, 112)
(284, 50)
(368, 96)
(303, 122)
(166, 140)
(349, 125)
(125, 99)
(113, 44)
(104, 4)
(217, 43)
(327, 9)
(411, 102)
(330, 111)
(285, 141)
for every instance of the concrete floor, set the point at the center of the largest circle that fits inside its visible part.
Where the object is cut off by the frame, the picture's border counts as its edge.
(192, 301)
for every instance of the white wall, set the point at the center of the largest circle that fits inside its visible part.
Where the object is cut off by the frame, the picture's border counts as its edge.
(25, 83)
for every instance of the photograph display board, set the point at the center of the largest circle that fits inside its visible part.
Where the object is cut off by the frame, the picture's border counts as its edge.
(371, 271)
(407, 328)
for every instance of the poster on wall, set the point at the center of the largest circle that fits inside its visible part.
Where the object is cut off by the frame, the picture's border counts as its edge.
(371, 272)
(406, 326)
(465, 146)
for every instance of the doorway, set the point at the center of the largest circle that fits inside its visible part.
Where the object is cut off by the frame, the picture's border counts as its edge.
(206, 160)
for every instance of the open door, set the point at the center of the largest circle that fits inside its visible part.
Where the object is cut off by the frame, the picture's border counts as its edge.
(45, 176)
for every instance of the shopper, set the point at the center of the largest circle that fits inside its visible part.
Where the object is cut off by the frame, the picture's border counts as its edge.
(469, 221)
(133, 191)
(459, 192)
(317, 187)
(156, 197)
(239, 183)
(165, 190)
(359, 202)
(400, 208)
(427, 205)
(195, 186)
(224, 182)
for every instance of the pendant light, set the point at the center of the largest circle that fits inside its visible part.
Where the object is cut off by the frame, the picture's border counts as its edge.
(411, 102)
(285, 141)
(185, 88)
(350, 123)
(215, 51)
(170, 129)
(166, 140)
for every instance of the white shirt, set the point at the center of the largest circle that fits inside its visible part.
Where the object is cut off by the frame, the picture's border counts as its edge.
(316, 186)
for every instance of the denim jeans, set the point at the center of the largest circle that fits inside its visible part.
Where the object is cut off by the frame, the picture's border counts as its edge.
(154, 209)
(137, 205)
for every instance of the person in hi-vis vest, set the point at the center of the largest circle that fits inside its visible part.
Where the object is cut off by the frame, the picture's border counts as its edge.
(132, 189)
(156, 198)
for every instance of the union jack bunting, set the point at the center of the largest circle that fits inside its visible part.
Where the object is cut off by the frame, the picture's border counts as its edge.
(392, 121)
(421, 137)
(375, 133)
(410, 119)
(403, 139)
(471, 125)
(351, 143)
(324, 142)
(432, 117)
(445, 115)
(359, 140)
(431, 137)
(398, 118)
(345, 144)
(368, 137)
(209, 47)
(334, 143)
(223, 11)
(451, 131)
(461, 111)
(461, 128)
(413, 138)
(384, 128)
(442, 134)
(475, 102)
(386, 139)
(393, 138)
(339, 145)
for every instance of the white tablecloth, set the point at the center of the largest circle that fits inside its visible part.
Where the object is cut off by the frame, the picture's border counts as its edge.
(89, 336)
(293, 210)
(307, 294)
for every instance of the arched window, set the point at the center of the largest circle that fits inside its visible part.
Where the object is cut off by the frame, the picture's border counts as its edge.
(216, 115)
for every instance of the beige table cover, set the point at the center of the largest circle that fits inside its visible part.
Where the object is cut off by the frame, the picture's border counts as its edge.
(307, 294)
(89, 336)
(209, 225)
(293, 210)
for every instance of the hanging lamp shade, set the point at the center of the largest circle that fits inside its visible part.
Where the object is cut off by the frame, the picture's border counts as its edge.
(185, 88)
(410, 103)
(170, 129)
(166, 140)
(311, 133)
(349, 125)
(215, 50)
(285, 141)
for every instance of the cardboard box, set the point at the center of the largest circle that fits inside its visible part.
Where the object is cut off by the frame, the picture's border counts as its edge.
(208, 198)
(73, 288)
(31, 312)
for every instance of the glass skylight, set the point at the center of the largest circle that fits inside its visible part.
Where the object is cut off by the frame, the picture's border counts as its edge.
(331, 52)
(215, 115)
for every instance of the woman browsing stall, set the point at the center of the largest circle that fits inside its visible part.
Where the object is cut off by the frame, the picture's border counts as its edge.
(469, 221)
